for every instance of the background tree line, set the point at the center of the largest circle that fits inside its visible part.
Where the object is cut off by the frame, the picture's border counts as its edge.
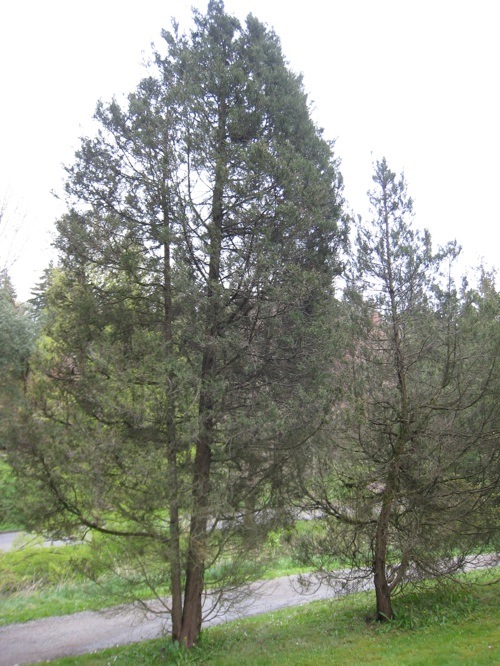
(197, 377)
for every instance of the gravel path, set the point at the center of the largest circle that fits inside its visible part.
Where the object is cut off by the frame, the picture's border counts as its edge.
(80, 633)
(20, 540)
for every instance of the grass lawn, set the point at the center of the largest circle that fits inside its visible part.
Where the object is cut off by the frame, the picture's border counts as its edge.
(435, 626)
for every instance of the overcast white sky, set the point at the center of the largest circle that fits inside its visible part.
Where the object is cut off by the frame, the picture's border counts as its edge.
(414, 80)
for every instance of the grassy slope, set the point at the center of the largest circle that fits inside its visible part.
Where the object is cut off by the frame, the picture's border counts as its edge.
(44, 582)
(37, 582)
(434, 627)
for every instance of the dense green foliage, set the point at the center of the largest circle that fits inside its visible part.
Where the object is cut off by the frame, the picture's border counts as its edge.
(188, 325)
(17, 339)
(11, 514)
(17, 332)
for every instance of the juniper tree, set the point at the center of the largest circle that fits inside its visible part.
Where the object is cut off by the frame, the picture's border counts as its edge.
(188, 322)
(404, 479)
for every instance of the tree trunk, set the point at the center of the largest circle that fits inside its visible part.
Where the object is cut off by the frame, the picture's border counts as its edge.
(197, 549)
(198, 538)
(195, 568)
(174, 554)
(382, 590)
(174, 530)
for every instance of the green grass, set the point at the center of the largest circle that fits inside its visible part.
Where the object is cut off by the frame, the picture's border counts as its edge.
(435, 627)
(450, 625)
(37, 582)
(60, 600)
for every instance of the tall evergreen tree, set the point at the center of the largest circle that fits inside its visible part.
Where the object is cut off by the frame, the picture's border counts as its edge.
(188, 326)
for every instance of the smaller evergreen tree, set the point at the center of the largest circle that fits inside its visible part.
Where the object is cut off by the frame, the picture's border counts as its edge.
(402, 479)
